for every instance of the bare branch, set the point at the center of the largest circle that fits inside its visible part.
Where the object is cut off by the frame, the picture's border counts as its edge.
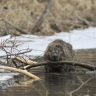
(10, 54)
(20, 71)
(83, 83)
(16, 27)
(84, 65)
(43, 16)
(23, 60)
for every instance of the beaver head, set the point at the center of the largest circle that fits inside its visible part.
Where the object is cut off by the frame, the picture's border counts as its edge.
(54, 52)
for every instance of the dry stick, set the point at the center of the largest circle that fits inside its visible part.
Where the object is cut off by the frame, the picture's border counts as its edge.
(22, 60)
(16, 27)
(84, 65)
(83, 83)
(17, 53)
(20, 71)
(43, 16)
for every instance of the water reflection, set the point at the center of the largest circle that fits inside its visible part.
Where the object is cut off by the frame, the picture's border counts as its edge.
(55, 84)
(0, 89)
(60, 84)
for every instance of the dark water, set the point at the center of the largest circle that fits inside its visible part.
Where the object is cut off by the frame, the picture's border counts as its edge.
(52, 84)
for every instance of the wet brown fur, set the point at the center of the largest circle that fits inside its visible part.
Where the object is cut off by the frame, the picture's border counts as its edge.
(57, 50)
(65, 50)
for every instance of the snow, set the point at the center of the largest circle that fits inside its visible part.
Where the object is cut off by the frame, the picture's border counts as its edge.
(5, 77)
(80, 39)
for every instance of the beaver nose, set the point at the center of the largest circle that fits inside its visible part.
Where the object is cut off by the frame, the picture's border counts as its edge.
(54, 55)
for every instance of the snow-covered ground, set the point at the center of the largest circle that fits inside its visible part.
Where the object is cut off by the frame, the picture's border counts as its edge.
(80, 39)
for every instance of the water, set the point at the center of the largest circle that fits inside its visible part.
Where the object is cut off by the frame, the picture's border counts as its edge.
(51, 84)
(54, 84)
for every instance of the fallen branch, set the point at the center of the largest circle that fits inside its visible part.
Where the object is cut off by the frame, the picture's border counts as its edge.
(84, 65)
(35, 64)
(16, 27)
(43, 16)
(22, 60)
(20, 71)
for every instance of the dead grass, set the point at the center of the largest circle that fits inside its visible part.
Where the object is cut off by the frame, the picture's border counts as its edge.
(25, 14)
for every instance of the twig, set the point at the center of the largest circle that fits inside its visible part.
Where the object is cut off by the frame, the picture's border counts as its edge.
(10, 54)
(15, 63)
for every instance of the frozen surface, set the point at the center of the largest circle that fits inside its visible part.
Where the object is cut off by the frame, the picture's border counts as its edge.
(80, 39)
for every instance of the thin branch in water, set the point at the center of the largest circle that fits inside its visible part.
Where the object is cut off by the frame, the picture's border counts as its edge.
(83, 83)
(80, 79)
(37, 90)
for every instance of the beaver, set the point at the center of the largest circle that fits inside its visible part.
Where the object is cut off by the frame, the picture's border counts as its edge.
(58, 50)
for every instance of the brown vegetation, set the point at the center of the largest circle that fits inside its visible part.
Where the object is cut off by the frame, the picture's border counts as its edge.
(65, 15)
